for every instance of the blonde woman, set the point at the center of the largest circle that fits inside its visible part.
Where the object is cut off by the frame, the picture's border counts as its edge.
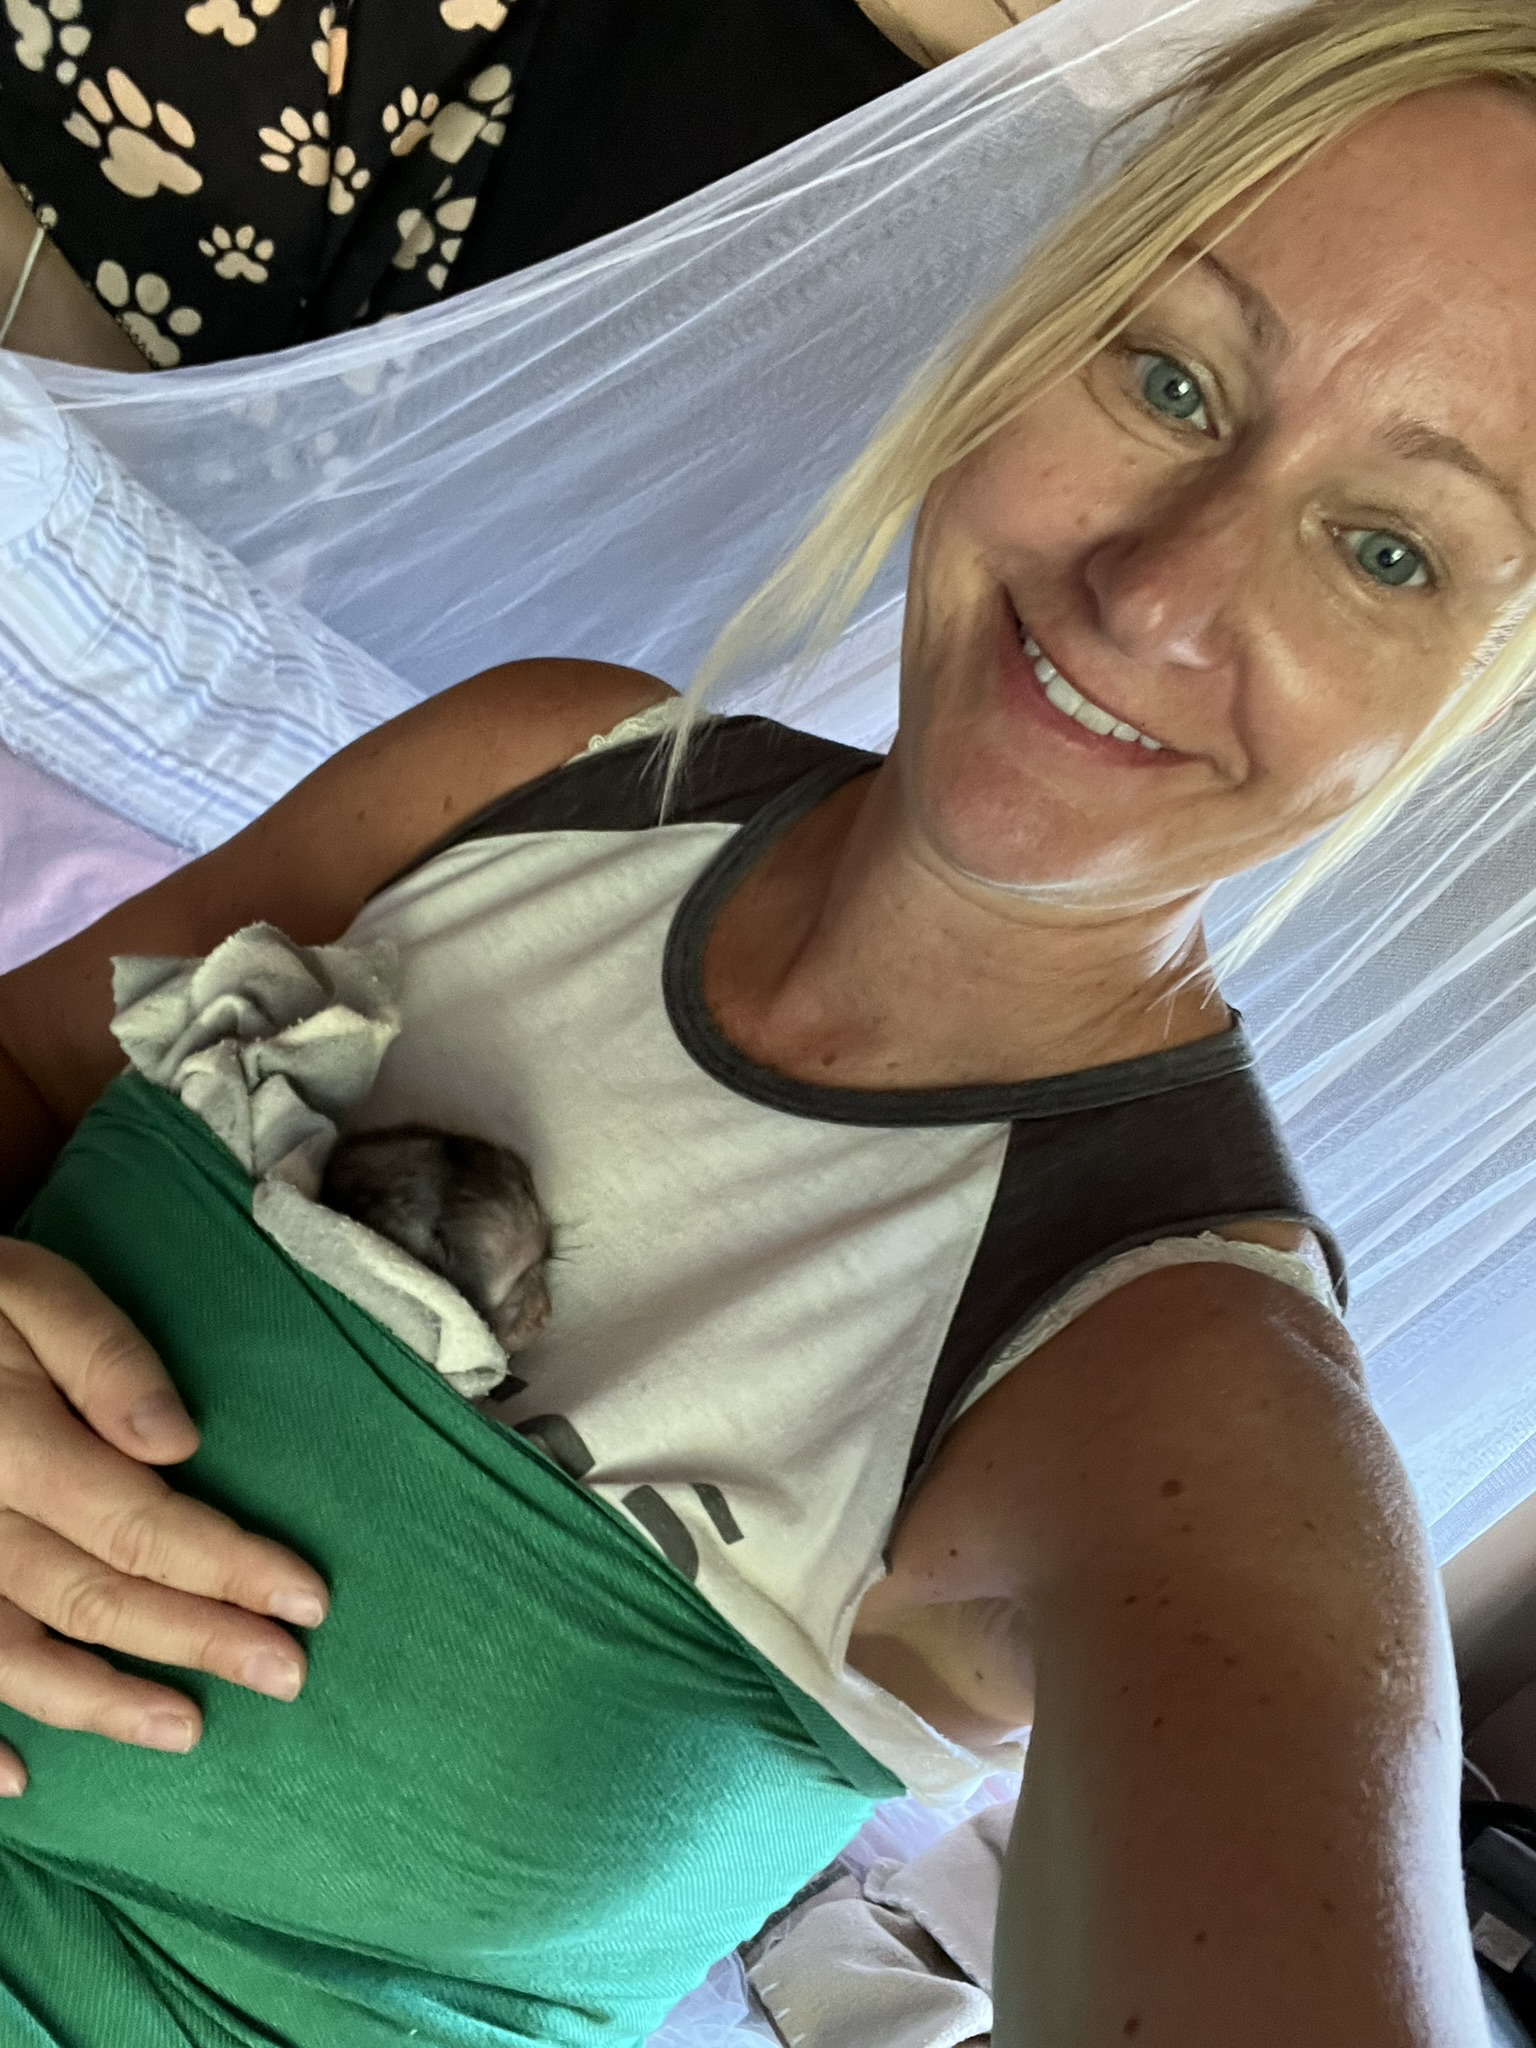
(943, 1346)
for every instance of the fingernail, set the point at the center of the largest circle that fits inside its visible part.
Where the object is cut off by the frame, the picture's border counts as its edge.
(302, 1609)
(167, 1731)
(270, 1672)
(158, 1420)
(13, 1781)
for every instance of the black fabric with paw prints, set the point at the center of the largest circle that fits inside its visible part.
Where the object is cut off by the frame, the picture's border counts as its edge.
(235, 176)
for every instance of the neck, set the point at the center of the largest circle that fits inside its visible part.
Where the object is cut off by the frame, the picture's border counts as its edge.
(850, 957)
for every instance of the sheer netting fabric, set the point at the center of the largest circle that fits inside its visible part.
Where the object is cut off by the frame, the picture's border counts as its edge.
(603, 455)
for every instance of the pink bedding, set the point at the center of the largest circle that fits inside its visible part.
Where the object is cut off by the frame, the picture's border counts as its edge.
(63, 861)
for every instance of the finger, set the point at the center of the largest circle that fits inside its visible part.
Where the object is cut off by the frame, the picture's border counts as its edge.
(55, 1472)
(13, 1773)
(49, 1581)
(65, 1687)
(92, 1353)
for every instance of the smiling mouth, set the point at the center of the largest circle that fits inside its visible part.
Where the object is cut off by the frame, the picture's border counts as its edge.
(1070, 700)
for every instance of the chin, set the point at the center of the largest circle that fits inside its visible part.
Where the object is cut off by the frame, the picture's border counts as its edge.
(1034, 850)
(987, 821)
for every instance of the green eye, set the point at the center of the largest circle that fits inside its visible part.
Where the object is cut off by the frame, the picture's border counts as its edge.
(1170, 389)
(1388, 559)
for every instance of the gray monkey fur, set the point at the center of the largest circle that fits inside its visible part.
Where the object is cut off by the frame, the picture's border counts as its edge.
(466, 1209)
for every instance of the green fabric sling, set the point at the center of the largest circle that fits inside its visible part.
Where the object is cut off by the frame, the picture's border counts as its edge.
(535, 1785)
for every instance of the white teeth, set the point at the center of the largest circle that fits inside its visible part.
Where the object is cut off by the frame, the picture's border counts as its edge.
(1095, 717)
(1072, 701)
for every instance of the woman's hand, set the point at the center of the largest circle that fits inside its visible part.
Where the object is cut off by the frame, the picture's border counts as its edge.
(95, 1546)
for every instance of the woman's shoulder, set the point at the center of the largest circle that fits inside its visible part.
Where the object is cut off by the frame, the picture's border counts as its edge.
(310, 863)
(376, 807)
(1198, 1379)
(372, 810)
(514, 723)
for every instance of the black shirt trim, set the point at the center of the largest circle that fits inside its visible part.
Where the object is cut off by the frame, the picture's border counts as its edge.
(1134, 1080)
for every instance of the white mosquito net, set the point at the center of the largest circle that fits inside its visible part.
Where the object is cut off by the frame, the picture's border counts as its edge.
(603, 455)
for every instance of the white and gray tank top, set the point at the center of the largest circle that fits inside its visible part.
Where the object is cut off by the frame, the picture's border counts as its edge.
(772, 1298)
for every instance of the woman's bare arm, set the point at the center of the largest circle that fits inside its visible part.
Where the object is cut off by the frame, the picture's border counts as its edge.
(93, 1545)
(1239, 1821)
(58, 316)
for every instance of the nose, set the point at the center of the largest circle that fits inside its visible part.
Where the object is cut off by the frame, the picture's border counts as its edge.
(1167, 591)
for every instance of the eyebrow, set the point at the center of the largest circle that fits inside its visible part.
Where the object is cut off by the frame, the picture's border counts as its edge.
(1417, 442)
(1414, 440)
(1266, 329)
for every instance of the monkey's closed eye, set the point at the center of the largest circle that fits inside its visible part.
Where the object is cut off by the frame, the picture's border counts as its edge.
(466, 1209)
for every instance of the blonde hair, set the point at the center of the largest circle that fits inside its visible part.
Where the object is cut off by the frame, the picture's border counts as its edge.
(1258, 109)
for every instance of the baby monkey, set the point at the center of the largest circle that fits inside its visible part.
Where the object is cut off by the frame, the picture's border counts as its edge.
(465, 1209)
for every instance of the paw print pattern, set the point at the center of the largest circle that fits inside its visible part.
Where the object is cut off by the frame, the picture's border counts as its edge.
(136, 162)
(408, 119)
(347, 179)
(238, 254)
(35, 32)
(139, 307)
(225, 17)
(481, 118)
(440, 236)
(329, 50)
(301, 142)
(468, 14)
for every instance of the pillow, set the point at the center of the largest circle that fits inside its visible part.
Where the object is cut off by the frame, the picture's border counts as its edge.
(140, 663)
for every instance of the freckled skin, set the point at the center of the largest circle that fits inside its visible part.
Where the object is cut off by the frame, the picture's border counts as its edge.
(1196, 584)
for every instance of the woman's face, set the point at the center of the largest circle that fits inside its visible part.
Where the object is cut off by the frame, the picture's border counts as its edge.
(1268, 528)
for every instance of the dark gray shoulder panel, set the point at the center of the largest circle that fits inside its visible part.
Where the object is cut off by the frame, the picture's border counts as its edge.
(1078, 1188)
(734, 767)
